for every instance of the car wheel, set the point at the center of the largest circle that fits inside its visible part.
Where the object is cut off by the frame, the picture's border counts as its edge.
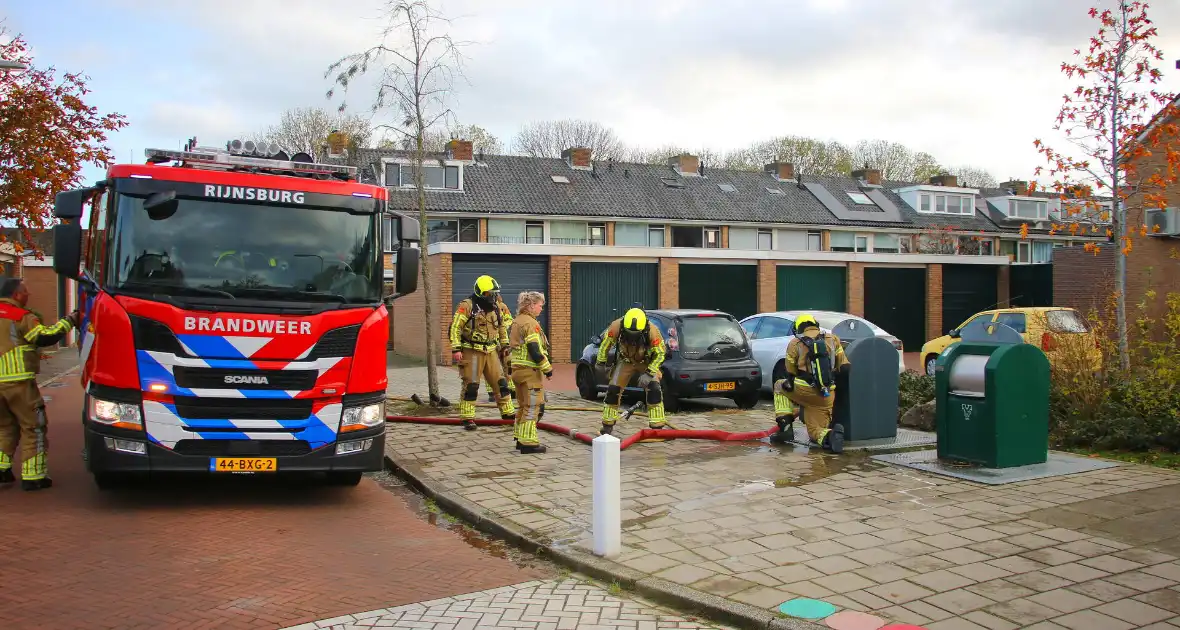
(586, 387)
(671, 402)
(931, 363)
(344, 478)
(778, 373)
(747, 400)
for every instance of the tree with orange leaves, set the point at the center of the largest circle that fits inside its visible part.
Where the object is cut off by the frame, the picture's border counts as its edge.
(1108, 119)
(47, 135)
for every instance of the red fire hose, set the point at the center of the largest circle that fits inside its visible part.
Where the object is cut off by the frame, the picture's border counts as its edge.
(643, 434)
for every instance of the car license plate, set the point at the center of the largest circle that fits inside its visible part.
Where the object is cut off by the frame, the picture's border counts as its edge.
(719, 387)
(243, 464)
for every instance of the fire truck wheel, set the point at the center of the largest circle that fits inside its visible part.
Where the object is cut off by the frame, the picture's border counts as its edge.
(342, 478)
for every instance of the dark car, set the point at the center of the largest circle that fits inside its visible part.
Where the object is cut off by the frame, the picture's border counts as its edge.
(708, 357)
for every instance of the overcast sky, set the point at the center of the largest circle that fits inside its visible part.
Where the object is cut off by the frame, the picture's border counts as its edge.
(970, 81)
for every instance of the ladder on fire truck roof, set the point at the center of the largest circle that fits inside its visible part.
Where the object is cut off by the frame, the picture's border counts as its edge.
(251, 157)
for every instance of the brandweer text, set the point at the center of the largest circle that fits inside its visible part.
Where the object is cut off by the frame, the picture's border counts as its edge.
(275, 326)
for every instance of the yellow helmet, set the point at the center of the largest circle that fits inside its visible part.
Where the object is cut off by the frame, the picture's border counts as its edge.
(804, 320)
(486, 287)
(635, 321)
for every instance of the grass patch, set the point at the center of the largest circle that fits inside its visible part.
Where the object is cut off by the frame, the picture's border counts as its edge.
(1159, 459)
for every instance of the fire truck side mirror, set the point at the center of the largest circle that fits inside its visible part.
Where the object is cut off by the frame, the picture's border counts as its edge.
(406, 273)
(68, 204)
(161, 205)
(67, 249)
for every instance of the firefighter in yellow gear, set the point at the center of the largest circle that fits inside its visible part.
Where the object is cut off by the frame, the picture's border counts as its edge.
(641, 351)
(477, 334)
(529, 358)
(22, 409)
(813, 360)
(505, 362)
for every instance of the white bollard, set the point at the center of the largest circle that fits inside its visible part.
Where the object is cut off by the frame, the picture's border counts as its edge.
(608, 497)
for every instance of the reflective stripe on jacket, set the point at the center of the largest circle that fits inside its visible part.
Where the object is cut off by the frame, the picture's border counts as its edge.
(477, 329)
(650, 355)
(21, 333)
(528, 345)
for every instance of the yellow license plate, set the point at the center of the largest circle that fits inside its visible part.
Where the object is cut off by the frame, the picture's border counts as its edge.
(719, 387)
(243, 464)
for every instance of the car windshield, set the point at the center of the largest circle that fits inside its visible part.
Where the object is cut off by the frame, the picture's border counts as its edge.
(1065, 321)
(235, 250)
(701, 334)
(831, 320)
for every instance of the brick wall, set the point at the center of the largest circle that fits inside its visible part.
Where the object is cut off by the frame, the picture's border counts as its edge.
(1082, 280)
(856, 288)
(767, 286)
(1003, 285)
(933, 301)
(409, 313)
(610, 233)
(669, 283)
(559, 305)
(725, 237)
(1154, 262)
(42, 285)
(483, 230)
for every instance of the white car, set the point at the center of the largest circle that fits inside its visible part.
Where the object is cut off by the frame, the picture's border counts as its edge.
(769, 334)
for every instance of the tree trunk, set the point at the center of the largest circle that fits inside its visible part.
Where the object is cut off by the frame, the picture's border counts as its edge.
(1119, 216)
(427, 278)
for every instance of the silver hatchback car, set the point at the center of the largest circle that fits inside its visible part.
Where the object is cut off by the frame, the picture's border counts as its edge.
(770, 332)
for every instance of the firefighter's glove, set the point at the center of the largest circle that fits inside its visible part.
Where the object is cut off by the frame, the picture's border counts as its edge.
(75, 318)
(645, 380)
(789, 383)
(549, 374)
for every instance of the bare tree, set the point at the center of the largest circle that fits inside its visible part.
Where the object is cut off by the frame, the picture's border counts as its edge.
(550, 137)
(306, 129)
(895, 160)
(973, 177)
(416, 68)
(436, 140)
(639, 155)
(809, 155)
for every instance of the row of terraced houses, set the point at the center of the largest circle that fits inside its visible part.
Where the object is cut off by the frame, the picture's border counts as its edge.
(596, 236)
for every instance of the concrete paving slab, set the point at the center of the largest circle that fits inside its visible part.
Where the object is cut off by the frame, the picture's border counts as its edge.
(1058, 464)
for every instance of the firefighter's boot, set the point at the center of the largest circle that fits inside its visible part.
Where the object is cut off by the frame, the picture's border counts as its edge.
(834, 440)
(606, 429)
(786, 430)
(6, 476)
(529, 450)
(30, 485)
(469, 424)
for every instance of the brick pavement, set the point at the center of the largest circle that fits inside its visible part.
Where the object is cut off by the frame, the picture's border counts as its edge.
(563, 604)
(232, 553)
(761, 524)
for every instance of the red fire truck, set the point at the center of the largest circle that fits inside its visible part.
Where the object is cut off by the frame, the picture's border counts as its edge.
(234, 313)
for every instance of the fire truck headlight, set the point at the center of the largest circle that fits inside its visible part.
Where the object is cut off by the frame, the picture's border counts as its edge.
(365, 417)
(115, 414)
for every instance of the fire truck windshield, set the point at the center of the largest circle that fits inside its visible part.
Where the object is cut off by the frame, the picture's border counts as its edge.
(235, 250)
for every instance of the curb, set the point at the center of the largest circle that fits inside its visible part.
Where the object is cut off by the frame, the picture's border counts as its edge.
(662, 591)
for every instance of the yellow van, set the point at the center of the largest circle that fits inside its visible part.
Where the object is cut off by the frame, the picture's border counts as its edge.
(1054, 329)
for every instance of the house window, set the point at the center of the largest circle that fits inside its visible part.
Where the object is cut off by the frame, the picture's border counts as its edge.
(924, 202)
(630, 234)
(886, 244)
(843, 242)
(713, 237)
(1023, 252)
(765, 239)
(905, 243)
(947, 204)
(1042, 252)
(860, 199)
(597, 232)
(655, 236)
(1028, 209)
(567, 232)
(815, 242)
(975, 246)
(452, 231)
(434, 176)
(511, 231)
(534, 233)
(389, 234)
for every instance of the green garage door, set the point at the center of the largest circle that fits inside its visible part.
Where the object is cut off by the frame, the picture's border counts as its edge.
(730, 289)
(514, 273)
(966, 290)
(802, 287)
(1031, 285)
(895, 299)
(602, 292)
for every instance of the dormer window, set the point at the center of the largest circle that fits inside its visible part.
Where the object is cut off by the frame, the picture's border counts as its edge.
(946, 204)
(1030, 209)
(434, 176)
(860, 199)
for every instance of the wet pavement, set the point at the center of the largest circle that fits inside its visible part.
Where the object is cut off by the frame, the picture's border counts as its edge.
(762, 524)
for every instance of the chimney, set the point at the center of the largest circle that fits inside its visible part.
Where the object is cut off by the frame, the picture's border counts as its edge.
(459, 149)
(782, 171)
(685, 164)
(1017, 186)
(948, 181)
(578, 157)
(870, 175)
